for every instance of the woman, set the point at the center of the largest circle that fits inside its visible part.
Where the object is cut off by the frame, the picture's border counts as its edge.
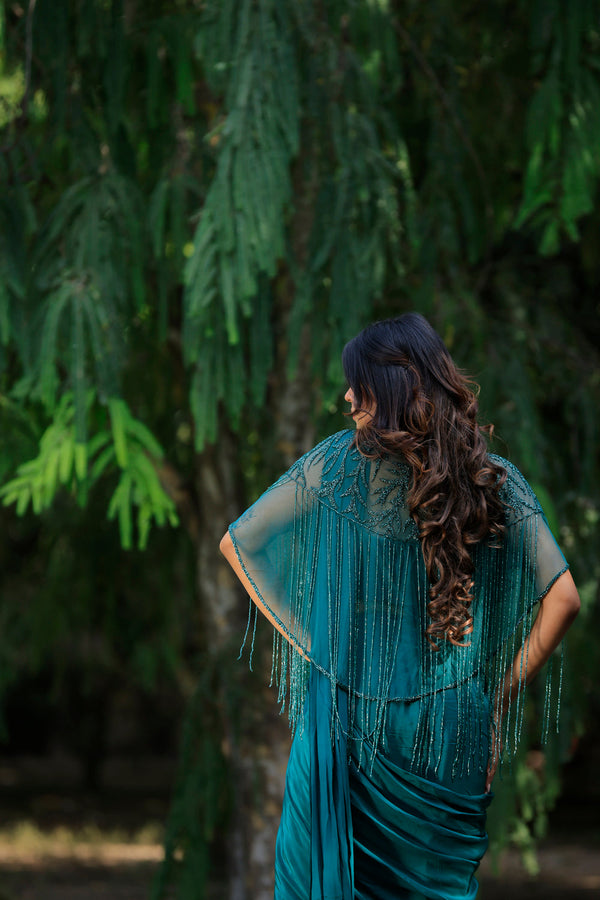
(402, 567)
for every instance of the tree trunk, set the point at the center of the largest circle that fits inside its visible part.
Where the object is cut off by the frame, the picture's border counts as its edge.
(257, 760)
(217, 488)
(261, 756)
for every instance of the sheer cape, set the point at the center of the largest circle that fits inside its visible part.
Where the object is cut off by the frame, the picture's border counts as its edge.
(334, 555)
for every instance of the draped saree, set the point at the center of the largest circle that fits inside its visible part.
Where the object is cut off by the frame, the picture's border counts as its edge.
(385, 787)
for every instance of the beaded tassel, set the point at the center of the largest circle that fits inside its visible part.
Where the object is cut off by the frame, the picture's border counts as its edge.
(340, 566)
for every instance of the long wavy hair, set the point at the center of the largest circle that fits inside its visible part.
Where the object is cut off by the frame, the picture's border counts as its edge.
(426, 411)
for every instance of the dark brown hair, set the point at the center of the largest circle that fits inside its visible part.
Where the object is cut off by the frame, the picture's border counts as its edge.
(426, 410)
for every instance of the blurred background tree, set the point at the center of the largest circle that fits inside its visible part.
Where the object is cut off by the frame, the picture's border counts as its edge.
(201, 202)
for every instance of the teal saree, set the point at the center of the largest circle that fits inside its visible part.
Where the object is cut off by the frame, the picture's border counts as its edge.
(385, 787)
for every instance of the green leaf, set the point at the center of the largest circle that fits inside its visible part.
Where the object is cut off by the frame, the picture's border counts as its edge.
(102, 462)
(144, 437)
(81, 451)
(118, 418)
(120, 508)
(66, 460)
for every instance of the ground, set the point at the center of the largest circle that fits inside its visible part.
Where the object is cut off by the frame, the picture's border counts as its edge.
(68, 845)
(98, 866)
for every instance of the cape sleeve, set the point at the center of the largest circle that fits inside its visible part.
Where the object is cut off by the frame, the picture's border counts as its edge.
(263, 538)
(529, 540)
(273, 541)
(530, 563)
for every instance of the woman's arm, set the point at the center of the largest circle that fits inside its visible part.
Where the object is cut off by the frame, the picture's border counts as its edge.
(228, 550)
(556, 614)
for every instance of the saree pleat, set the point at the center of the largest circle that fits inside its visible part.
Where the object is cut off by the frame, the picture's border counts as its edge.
(315, 833)
(332, 864)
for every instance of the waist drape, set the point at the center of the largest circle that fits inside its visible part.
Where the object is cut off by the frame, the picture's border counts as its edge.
(359, 825)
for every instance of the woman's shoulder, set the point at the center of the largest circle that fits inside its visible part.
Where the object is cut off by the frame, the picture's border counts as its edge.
(516, 492)
(325, 456)
(335, 442)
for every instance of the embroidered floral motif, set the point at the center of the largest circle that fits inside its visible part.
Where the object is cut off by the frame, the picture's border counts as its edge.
(371, 492)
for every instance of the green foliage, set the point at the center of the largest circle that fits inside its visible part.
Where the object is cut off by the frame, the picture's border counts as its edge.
(239, 240)
(526, 792)
(135, 450)
(355, 184)
(520, 812)
(61, 461)
(80, 618)
(64, 460)
(88, 274)
(563, 124)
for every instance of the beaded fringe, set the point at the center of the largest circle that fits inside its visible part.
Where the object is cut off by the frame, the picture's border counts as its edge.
(505, 624)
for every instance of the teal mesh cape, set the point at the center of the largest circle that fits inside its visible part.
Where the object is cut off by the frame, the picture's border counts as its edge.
(385, 784)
